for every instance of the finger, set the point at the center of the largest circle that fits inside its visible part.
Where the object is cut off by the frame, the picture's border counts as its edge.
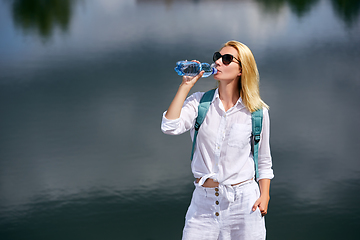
(263, 212)
(256, 204)
(197, 77)
(193, 78)
(187, 78)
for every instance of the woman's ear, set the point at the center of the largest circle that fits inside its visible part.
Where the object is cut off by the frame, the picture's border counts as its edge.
(239, 74)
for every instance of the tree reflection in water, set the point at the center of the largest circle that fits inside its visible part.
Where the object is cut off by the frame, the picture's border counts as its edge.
(42, 16)
(347, 10)
(299, 7)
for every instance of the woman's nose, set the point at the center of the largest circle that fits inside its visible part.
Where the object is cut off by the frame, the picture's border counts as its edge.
(218, 62)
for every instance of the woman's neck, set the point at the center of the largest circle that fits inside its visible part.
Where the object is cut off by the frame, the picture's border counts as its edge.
(229, 94)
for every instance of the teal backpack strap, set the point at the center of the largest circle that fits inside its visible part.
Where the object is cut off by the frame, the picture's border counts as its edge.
(204, 105)
(256, 119)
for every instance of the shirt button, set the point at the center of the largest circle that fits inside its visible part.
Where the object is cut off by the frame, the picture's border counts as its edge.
(216, 189)
(217, 194)
(217, 214)
(217, 202)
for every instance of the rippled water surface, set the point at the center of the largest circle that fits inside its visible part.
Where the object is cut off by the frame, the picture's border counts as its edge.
(84, 83)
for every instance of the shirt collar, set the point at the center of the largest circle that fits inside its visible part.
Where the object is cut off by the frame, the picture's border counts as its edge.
(216, 95)
(239, 103)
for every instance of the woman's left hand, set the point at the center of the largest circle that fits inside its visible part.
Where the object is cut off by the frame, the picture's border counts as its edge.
(263, 200)
(262, 204)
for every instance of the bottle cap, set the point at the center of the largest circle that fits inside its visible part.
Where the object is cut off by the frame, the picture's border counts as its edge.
(213, 66)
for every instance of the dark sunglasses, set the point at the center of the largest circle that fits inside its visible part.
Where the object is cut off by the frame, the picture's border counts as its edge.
(226, 58)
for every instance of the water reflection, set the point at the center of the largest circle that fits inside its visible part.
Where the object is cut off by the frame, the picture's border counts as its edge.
(299, 7)
(348, 10)
(82, 153)
(99, 215)
(42, 16)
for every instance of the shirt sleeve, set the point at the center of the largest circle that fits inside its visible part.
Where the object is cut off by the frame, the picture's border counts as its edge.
(188, 114)
(264, 154)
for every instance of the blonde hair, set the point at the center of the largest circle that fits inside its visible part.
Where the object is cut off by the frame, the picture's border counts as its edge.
(249, 91)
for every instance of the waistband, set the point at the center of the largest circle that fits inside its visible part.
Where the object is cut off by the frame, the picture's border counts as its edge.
(226, 190)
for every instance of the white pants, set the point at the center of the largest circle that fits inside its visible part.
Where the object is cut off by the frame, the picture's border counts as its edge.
(212, 217)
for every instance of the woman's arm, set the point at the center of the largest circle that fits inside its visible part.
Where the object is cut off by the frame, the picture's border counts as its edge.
(264, 154)
(264, 198)
(265, 166)
(174, 109)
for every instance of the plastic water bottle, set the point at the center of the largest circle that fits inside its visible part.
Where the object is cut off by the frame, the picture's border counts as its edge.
(188, 68)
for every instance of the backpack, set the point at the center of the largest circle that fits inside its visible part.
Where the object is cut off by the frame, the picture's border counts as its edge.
(256, 120)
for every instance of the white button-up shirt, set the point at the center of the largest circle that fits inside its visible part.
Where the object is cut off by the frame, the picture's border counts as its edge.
(223, 144)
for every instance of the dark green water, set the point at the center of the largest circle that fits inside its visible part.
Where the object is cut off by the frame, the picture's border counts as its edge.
(83, 85)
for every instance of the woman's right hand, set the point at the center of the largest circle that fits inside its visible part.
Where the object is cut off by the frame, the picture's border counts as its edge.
(189, 80)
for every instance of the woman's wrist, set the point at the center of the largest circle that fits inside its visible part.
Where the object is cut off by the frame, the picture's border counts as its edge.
(264, 188)
(265, 196)
(186, 86)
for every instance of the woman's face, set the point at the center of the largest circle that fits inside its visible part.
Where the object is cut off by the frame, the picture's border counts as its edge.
(228, 72)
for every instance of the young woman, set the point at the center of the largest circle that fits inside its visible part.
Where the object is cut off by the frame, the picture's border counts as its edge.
(227, 202)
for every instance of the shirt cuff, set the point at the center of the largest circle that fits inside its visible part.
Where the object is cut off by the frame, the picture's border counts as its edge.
(266, 175)
(169, 126)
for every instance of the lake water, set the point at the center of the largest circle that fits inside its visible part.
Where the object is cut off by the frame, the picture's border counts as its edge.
(84, 83)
